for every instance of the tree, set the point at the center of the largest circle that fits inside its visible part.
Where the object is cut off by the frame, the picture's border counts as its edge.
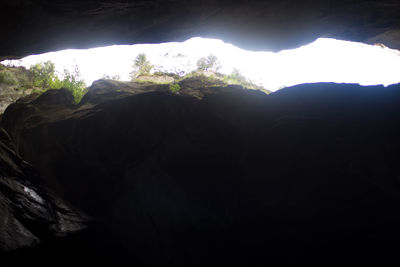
(44, 74)
(209, 63)
(74, 82)
(44, 77)
(237, 76)
(141, 66)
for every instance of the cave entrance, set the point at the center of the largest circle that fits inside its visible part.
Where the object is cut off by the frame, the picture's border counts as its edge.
(325, 60)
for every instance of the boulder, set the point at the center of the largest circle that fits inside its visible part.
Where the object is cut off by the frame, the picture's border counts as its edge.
(306, 175)
(28, 212)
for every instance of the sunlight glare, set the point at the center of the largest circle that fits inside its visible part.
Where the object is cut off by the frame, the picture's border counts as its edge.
(325, 60)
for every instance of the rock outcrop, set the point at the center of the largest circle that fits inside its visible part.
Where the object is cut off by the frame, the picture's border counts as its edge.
(235, 177)
(15, 82)
(51, 25)
(28, 213)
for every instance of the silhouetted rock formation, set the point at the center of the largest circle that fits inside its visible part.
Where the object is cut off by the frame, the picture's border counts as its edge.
(51, 25)
(308, 174)
(28, 213)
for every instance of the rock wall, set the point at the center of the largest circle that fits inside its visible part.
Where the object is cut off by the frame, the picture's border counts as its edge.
(306, 175)
(15, 82)
(28, 212)
(30, 27)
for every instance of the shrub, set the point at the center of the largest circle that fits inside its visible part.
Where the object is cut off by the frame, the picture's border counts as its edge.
(174, 87)
(7, 77)
(44, 74)
(45, 78)
(141, 66)
(74, 83)
(237, 77)
(209, 63)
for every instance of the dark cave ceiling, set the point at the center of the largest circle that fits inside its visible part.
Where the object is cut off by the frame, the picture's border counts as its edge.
(35, 26)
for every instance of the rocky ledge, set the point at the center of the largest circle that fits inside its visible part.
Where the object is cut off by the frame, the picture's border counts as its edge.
(51, 25)
(29, 213)
(221, 176)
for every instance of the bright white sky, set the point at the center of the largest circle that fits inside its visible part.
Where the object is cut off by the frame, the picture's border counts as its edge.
(325, 60)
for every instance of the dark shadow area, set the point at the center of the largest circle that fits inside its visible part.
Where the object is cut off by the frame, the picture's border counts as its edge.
(37, 26)
(222, 177)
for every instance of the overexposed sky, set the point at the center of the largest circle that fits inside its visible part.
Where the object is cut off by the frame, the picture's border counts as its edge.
(325, 60)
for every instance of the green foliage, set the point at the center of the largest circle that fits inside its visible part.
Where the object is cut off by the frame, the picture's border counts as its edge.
(73, 82)
(7, 77)
(174, 87)
(237, 77)
(141, 66)
(44, 77)
(209, 63)
(202, 64)
(25, 79)
(38, 91)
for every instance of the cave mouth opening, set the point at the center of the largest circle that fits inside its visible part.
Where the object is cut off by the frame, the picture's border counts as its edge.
(324, 60)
